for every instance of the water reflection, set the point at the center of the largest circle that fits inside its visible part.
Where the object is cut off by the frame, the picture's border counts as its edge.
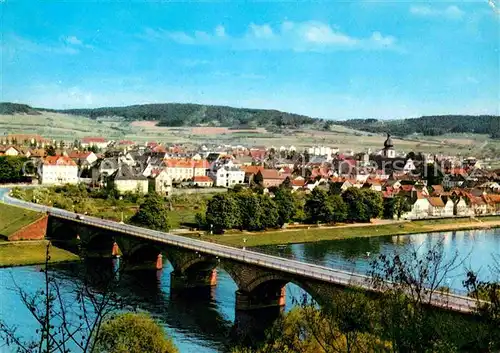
(474, 250)
(202, 322)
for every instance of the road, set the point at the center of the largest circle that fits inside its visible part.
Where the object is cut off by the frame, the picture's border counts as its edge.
(293, 267)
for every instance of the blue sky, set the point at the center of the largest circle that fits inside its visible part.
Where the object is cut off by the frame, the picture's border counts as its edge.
(349, 59)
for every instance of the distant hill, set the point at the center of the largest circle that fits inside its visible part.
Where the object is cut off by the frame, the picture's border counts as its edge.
(429, 125)
(12, 108)
(178, 114)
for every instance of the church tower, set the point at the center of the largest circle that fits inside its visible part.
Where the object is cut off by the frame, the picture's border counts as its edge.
(388, 150)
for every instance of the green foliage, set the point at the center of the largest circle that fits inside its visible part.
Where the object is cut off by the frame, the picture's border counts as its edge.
(430, 125)
(284, 200)
(269, 212)
(177, 114)
(362, 204)
(433, 174)
(222, 212)
(395, 206)
(131, 332)
(50, 150)
(373, 202)
(322, 207)
(258, 178)
(152, 214)
(13, 108)
(11, 169)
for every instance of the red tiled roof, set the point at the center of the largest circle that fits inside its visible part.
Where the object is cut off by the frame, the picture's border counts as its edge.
(58, 160)
(78, 154)
(298, 182)
(271, 174)
(159, 148)
(201, 164)
(94, 139)
(436, 201)
(252, 169)
(202, 179)
(179, 163)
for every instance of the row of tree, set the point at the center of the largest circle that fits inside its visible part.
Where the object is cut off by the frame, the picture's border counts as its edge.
(246, 209)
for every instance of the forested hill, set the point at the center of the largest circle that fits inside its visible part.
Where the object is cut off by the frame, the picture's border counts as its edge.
(178, 114)
(429, 125)
(11, 108)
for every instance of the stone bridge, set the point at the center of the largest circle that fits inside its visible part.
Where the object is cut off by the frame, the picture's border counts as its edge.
(261, 291)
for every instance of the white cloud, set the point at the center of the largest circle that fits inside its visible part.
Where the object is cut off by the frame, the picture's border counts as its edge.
(73, 40)
(261, 31)
(451, 12)
(13, 44)
(298, 36)
(220, 31)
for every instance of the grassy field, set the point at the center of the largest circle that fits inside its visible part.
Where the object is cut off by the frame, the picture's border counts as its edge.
(183, 211)
(21, 253)
(68, 127)
(14, 218)
(342, 232)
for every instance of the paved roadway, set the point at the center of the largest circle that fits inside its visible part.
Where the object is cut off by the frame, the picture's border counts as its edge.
(293, 267)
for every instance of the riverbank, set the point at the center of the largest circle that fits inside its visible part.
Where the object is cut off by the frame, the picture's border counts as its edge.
(305, 235)
(22, 253)
(14, 218)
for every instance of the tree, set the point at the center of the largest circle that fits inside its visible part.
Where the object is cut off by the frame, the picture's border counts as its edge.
(317, 207)
(133, 332)
(287, 183)
(373, 202)
(396, 206)
(11, 169)
(269, 216)
(258, 178)
(409, 282)
(338, 208)
(50, 150)
(249, 211)
(256, 211)
(222, 212)
(356, 209)
(283, 198)
(152, 214)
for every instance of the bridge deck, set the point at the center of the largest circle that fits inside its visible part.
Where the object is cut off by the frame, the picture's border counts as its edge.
(335, 276)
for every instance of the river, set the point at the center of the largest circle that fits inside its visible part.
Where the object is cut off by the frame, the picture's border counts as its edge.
(204, 325)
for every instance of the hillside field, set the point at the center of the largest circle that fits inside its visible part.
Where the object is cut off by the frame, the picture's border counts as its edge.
(70, 127)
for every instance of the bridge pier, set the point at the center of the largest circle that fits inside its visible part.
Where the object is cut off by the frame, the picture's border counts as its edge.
(193, 280)
(256, 313)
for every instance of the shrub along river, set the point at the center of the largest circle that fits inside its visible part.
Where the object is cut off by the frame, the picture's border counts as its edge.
(204, 325)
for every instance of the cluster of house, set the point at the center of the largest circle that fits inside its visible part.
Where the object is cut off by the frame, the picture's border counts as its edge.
(465, 190)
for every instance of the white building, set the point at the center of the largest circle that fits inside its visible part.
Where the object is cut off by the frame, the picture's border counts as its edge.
(322, 151)
(10, 151)
(59, 170)
(99, 142)
(228, 176)
(419, 209)
(127, 180)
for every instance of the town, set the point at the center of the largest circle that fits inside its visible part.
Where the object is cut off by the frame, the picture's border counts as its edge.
(424, 186)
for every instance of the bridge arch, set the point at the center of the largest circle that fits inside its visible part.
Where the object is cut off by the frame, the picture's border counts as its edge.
(97, 245)
(273, 284)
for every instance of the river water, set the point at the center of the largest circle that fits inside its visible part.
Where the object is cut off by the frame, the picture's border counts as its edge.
(204, 325)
